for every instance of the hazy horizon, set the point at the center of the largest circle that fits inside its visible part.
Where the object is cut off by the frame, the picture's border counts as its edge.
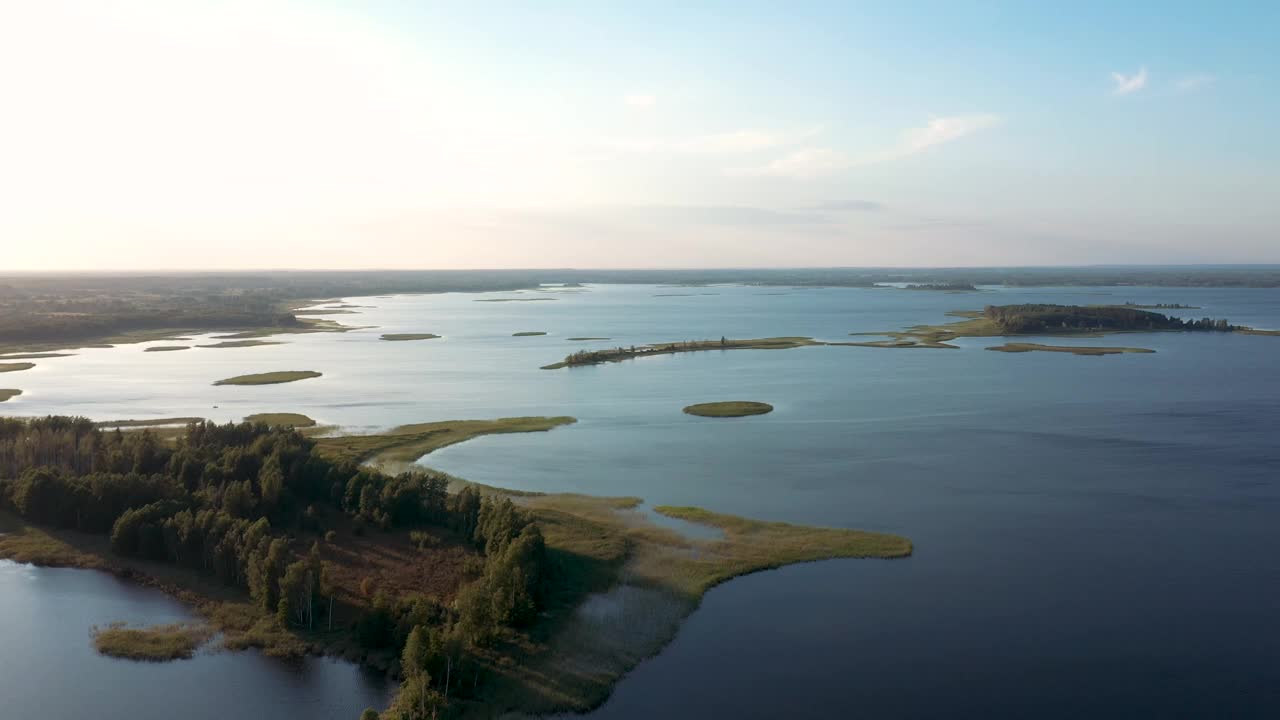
(170, 136)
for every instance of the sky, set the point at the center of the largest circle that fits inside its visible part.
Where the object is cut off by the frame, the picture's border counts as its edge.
(194, 134)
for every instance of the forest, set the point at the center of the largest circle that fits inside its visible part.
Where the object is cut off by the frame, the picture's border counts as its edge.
(251, 505)
(1032, 319)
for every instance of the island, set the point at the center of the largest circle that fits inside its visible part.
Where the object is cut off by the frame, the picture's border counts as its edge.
(293, 420)
(943, 287)
(618, 354)
(528, 333)
(1073, 349)
(270, 378)
(241, 343)
(587, 338)
(176, 641)
(15, 367)
(347, 546)
(169, 348)
(403, 337)
(1043, 319)
(728, 408)
(6, 394)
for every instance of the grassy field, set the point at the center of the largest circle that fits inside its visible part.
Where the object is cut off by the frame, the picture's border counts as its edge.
(177, 641)
(296, 420)
(401, 337)
(407, 443)
(241, 344)
(1073, 349)
(7, 393)
(167, 348)
(15, 367)
(729, 408)
(528, 333)
(270, 378)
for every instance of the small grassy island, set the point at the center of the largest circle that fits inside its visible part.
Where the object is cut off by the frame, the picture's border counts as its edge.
(403, 337)
(473, 595)
(729, 408)
(293, 420)
(596, 357)
(167, 348)
(270, 378)
(178, 641)
(15, 367)
(942, 287)
(528, 333)
(241, 343)
(6, 394)
(1073, 349)
(1077, 320)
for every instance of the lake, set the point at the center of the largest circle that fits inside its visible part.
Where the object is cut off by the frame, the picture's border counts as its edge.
(1094, 535)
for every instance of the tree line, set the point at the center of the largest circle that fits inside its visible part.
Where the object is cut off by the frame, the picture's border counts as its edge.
(1034, 318)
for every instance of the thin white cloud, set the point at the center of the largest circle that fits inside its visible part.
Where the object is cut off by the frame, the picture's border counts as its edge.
(810, 162)
(1129, 84)
(1193, 82)
(640, 100)
(801, 164)
(726, 143)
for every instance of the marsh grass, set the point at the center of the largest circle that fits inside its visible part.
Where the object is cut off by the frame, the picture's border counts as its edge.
(7, 393)
(270, 378)
(407, 443)
(1073, 349)
(241, 344)
(402, 337)
(529, 333)
(158, 643)
(15, 367)
(167, 348)
(728, 408)
(295, 420)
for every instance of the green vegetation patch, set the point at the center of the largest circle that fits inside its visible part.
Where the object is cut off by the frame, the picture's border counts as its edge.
(241, 343)
(729, 408)
(528, 333)
(296, 420)
(407, 443)
(577, 339)
(15, 367)
(1073, 349)
(6, 394)
(401, 337)
(596, 357)
(151, 422)
(178, 641)
(270, 378)
(167, 348)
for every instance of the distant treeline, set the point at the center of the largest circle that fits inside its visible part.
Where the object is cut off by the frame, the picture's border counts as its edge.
(1031, 319)
(219, 500)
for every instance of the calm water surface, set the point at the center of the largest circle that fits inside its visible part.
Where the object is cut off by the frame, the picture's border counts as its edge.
(1094, 536)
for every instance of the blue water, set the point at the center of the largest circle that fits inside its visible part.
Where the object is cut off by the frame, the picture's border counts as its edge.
(1094, 536)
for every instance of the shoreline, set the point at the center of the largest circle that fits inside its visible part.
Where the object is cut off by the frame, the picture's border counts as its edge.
(624, 552)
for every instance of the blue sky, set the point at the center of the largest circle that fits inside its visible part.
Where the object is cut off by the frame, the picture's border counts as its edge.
(410, 134)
